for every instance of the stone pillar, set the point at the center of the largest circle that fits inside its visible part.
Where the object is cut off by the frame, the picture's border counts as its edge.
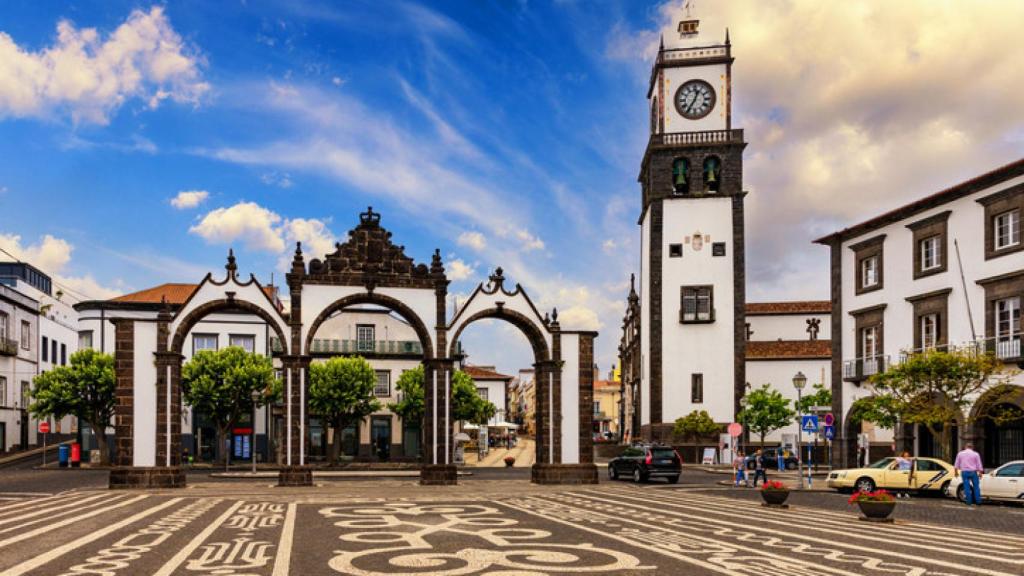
(586, 406)
(295, 470)
(124, 373)
(438, 466)
(168, 364)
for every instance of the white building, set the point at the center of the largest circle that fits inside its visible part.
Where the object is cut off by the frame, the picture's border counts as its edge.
(944, 271)
(493, 387)
(47, 337)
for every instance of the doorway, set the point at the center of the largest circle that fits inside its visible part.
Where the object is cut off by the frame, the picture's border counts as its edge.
(380, 435)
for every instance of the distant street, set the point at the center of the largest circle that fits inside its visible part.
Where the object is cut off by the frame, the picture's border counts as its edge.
(493, 522)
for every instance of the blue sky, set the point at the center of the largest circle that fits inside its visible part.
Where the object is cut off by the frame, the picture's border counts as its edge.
(505, 133)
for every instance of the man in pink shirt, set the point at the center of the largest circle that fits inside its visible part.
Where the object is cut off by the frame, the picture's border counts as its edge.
(968, 463)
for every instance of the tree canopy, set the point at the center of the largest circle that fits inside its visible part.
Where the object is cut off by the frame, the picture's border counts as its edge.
(697, 424)
(765, 410)
(410, 401)
(221, 385)
(341, 390)
(821, 396)
(467, 405)
(936, 388)
(84, 388)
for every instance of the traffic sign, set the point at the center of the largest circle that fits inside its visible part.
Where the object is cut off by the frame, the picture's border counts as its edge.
(819, 408)
(44, 427)
(830, 432)
(735, 429)
(809, 423)
(829, 419)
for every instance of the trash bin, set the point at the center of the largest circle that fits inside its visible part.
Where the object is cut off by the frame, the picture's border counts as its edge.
(76, 455)
(62, 455)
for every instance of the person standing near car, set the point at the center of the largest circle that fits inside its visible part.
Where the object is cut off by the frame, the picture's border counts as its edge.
(905, 463)
(968, 464)
(739, 466)
(759, 469)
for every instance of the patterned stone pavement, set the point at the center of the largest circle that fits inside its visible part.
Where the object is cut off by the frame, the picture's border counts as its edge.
(497, 528)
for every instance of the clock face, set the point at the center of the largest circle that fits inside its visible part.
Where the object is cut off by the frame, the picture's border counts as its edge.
(695, 99)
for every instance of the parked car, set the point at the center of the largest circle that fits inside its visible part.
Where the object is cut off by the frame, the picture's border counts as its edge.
(643, 462)
(771, 459)
(1003, 483)
(929, 475)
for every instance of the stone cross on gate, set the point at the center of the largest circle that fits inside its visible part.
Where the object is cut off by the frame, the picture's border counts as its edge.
(813, 326)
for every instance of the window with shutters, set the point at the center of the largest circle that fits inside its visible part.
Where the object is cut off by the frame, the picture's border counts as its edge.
(697, 304)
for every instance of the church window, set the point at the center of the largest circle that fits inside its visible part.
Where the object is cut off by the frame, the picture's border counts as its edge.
(696, 388)
(712, 173)
(681, 176)
(698, 304)
(675, 250)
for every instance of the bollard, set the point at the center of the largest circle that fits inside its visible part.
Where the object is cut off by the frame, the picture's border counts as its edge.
(76, 455)
(62, 455)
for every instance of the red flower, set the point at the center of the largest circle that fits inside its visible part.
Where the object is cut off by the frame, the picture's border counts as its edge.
(774, 485)
(876, 496)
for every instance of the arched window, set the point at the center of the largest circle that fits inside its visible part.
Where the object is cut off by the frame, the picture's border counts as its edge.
(712, 173)
(681, 175)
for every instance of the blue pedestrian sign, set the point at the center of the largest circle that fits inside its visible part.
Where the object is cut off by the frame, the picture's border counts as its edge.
(830, 432)
(809, 423)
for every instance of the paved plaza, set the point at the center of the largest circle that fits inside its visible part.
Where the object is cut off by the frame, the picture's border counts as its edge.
(499, 527)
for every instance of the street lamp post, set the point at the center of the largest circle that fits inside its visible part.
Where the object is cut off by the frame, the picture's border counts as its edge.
(799, 381)
(252, 443)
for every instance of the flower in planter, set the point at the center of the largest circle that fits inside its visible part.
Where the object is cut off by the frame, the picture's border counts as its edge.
(774, 485)
(876, 496)
(510, 460)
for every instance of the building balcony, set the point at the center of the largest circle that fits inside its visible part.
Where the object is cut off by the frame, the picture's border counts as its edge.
(8, 347)
(367, 347)
(1006, 348)
(700, 138)
(860, 369)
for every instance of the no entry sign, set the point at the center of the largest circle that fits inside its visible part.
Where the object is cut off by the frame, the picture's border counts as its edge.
(735, 429)
(44, 427)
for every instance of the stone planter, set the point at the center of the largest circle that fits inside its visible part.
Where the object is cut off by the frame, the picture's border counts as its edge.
(509, 463)
(876, 511)
(774, 497)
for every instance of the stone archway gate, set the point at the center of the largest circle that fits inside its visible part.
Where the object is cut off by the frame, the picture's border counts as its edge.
(366, 269)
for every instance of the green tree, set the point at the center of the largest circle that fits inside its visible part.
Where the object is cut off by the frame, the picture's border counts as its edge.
(410, 402)
(84, 388)
(221, 385)
(935, 389)
(341, 390)
(821, 396)
(764, 410)
(695, 425)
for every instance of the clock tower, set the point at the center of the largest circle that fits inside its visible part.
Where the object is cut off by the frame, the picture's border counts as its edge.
(692, 249)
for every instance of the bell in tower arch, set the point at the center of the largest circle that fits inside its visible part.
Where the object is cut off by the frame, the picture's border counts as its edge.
(681, 175)
(712, 174)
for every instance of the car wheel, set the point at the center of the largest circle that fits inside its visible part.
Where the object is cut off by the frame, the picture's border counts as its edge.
(960, 493)
(790, 465)
(612, 474)
(865, 485)
(673, 479)
(637, 476)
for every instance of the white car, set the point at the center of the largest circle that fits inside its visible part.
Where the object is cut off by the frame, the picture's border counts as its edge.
(1003, 483)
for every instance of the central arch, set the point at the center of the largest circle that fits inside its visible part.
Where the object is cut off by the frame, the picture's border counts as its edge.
(224, 305)
(379, 300)
(533, 334)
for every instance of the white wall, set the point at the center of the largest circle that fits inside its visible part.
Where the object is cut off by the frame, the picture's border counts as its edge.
(144, 415)
(697, 348)
(787, 326)
(570, 399)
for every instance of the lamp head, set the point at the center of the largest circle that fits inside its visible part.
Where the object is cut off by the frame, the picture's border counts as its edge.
(799, 381)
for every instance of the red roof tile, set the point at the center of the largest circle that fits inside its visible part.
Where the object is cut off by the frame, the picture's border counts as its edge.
(795, 307)
(789, 349)
(175, 293)
(480, 373)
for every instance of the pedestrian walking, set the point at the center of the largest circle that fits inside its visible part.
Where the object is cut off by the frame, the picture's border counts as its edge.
(968, 465)
(739, 465)
(759, 469)
(905, 463)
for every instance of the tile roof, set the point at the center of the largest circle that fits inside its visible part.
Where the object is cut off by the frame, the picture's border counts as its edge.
(483, 373)
(794, 307)
(176, 294)
(789, 349)
(606, 384)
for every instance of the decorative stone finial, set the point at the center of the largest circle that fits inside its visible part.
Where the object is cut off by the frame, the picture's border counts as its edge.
(497, 280)
(231, 266)
(554, 315)
(298, 262)
(436, 264)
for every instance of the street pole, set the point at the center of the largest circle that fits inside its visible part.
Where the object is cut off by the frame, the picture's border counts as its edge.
(800, 435)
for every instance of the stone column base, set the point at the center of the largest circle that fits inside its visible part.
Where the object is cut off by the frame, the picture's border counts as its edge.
(145, 478)
(564, 474)
(439, 475)
(295, 476)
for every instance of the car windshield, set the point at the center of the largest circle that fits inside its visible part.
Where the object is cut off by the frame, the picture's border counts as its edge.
(662, 453)
(883, 463)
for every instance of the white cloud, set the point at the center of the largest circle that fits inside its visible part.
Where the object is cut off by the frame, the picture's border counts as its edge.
(189, 199)
(529, 241)
(90, 77)
(579, 318)
(52, 255)
(255, 226)
(279, 179)
(609, 246)
(457, 270)
(337, 81)
(474, 240)
(315, 237)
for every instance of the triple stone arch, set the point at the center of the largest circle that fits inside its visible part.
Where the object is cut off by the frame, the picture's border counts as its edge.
(369, 269)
